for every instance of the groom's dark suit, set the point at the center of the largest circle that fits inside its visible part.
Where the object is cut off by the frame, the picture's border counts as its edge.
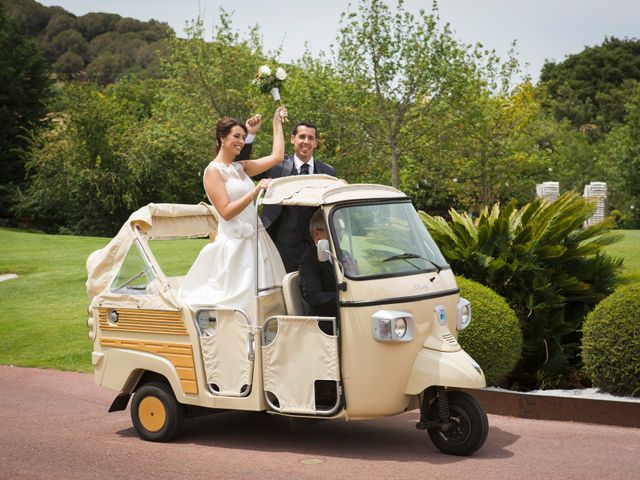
(289, 226)
(245, 153)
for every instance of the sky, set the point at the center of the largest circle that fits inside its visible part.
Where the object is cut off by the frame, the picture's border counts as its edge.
(543, 29)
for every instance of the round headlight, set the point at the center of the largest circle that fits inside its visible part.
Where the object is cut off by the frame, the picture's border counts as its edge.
(464, 314)
(400, 327)
(112, 316)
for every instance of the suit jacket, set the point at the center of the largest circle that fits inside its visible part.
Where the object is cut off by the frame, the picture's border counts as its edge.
(245, 153)
(289, 226)
(285, 169)
(318, 284)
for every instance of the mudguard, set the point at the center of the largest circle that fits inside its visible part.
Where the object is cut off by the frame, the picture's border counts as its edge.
(131, 364)
(448, 369)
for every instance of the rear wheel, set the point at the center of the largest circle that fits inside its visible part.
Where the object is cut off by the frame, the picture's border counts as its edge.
(467, 429)
(155, 412)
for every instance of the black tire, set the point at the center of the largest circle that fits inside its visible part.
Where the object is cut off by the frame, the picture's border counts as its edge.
(155, 413)
(470, 426)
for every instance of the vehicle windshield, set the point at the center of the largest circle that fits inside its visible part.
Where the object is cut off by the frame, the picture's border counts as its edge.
(383, 240)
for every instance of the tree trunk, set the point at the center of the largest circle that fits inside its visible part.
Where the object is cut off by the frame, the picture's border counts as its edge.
(395, 170)
(485, 180)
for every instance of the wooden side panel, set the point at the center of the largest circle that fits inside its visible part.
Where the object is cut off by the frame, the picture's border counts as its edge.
(179, 354)
(143, 321)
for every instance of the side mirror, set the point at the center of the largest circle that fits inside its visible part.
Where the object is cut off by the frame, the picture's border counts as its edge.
(325, 255)
(324, 251)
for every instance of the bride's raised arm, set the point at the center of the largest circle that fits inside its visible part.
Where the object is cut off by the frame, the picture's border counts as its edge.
(255, 167)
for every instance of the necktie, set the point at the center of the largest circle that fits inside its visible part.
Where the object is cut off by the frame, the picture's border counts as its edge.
(304, 169)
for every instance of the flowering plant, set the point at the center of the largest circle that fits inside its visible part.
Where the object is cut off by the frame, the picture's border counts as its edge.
(269, 81)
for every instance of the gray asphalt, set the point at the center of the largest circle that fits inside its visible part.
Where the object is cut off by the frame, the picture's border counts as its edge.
(55, 425)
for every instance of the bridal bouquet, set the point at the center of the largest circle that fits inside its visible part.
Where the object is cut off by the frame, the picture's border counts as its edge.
(269, 81)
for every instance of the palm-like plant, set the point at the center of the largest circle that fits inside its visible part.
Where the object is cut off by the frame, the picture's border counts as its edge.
(550, 269)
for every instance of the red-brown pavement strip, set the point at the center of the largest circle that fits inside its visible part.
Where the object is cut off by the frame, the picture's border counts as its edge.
(55, 425)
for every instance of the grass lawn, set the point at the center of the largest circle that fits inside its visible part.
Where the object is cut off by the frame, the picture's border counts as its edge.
(44, 311)
(629, 249)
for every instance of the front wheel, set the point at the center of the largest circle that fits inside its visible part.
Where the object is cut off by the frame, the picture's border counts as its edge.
(155, 412)
(468, 427)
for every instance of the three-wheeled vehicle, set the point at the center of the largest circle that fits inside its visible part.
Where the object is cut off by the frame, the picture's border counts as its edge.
(392, 347)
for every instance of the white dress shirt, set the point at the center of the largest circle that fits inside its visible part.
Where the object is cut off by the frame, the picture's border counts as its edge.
(299, 163)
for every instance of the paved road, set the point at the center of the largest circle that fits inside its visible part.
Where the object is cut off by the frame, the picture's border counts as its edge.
(55, 425)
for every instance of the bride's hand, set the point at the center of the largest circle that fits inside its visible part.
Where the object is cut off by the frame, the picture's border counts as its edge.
(281, 114)
(264, 183)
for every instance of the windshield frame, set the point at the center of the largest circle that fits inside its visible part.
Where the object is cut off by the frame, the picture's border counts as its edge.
(357, 203)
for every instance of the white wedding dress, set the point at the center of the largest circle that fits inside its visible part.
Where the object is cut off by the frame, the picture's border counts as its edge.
(224, 272)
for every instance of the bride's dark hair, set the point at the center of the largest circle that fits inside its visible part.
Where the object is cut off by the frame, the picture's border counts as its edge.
(224, 126)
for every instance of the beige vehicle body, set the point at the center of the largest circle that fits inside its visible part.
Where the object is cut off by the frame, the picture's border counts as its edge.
(394, 338)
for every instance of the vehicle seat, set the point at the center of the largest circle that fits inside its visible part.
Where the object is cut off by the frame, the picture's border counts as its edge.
(292, 297)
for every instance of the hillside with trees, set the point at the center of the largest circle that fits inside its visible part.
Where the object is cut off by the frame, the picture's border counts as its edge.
(100, 47)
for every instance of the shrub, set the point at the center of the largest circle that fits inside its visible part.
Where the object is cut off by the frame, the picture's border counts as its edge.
(493, 338)
(611, 342)
(551, 271)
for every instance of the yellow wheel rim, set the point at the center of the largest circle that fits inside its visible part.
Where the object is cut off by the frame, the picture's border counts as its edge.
(152, 414)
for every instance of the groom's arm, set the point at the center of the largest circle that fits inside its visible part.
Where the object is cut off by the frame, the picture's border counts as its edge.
(245, 153)
(253, 124)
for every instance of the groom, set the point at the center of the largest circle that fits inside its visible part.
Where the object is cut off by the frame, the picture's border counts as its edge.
(289, 226)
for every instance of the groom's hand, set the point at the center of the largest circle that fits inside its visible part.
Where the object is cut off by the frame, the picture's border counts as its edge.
(253, 124)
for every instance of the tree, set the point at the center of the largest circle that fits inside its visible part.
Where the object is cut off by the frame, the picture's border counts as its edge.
(24, 89)
(496, 154)
(94, 24)
(399, 68)
(68, 41)
(58, 24)
(215, 75)
(68, 64)
(619, 161)
(589, 88)
(28, 15)
(80, 170)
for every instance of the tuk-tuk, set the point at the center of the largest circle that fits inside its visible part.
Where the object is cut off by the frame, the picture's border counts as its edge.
(391, 348)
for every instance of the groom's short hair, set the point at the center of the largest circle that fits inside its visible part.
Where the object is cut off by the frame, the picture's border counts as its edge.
(304, 124)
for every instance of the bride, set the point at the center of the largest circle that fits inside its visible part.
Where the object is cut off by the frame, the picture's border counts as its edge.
(224, 272)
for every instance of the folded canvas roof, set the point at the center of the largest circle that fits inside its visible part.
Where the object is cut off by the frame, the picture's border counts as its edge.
(315, 190)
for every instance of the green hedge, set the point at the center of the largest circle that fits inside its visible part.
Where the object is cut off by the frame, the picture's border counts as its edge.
(611, 342)
(493, 338)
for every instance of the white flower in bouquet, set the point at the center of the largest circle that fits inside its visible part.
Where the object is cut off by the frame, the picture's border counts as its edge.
(281, 74)
(264, 70)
